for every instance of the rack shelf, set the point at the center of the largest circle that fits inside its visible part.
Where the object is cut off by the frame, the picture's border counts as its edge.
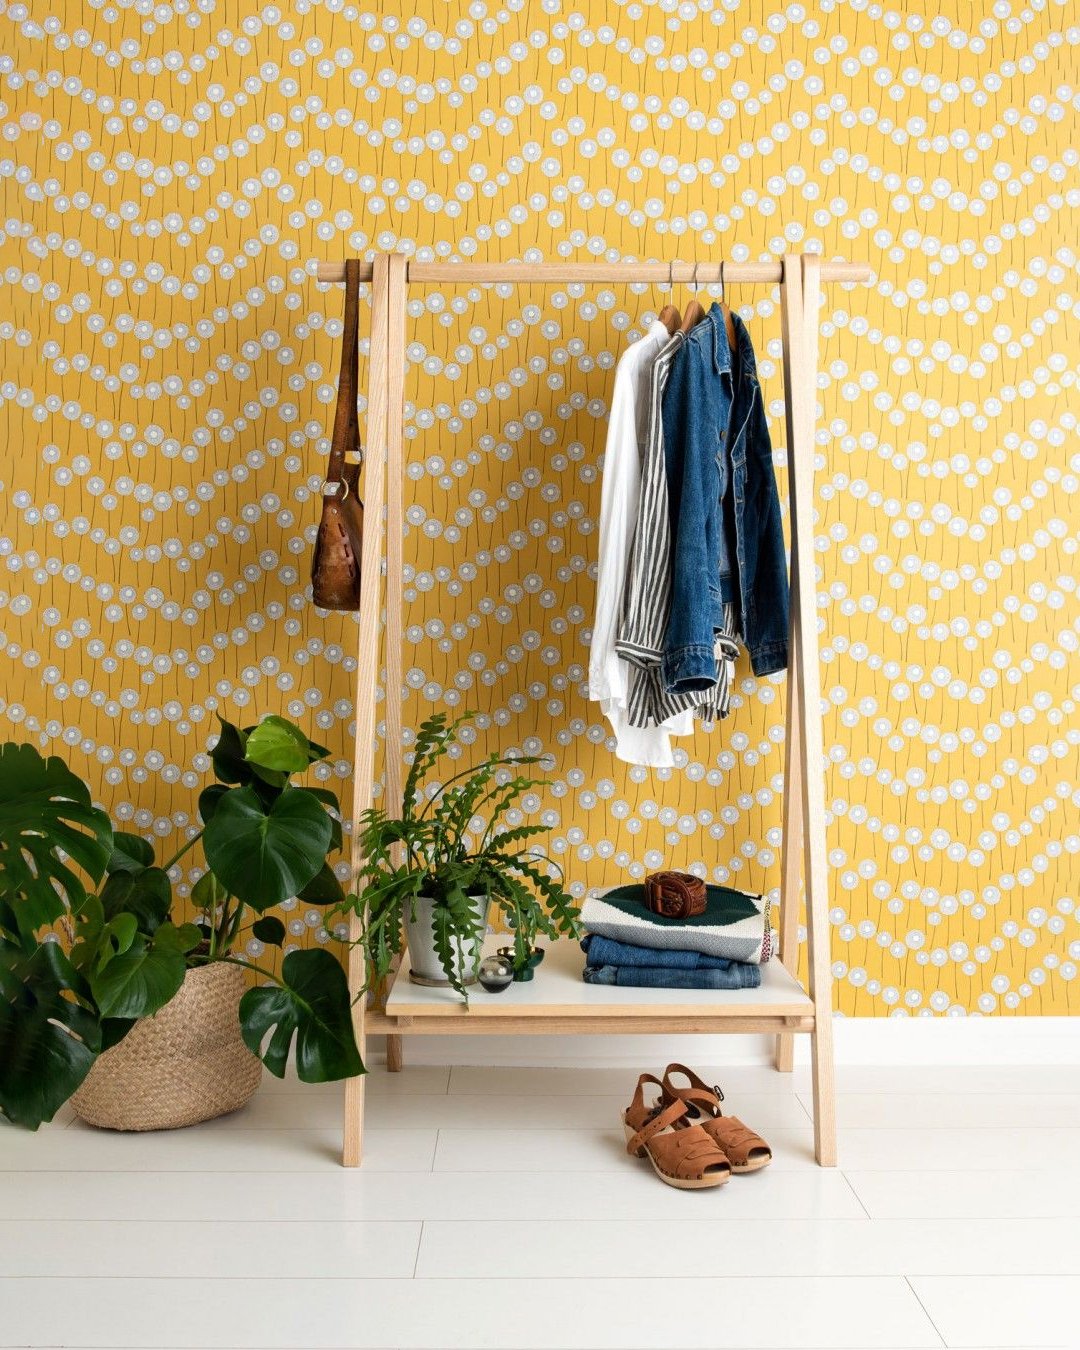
(558, 993)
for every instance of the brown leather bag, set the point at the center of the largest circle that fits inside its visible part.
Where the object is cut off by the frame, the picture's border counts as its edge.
(335, 564)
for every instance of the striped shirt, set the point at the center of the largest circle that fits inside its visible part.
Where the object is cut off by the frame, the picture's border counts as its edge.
(646, 597)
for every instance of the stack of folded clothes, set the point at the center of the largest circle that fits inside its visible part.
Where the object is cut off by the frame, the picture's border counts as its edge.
(721, 946)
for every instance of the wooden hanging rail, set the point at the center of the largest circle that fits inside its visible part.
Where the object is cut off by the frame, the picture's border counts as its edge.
(551, 274)
(559, 1001)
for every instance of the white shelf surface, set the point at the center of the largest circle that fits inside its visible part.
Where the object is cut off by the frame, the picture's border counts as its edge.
(557, 990)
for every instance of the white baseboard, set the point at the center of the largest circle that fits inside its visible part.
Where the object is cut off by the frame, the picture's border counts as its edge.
(863, 1040)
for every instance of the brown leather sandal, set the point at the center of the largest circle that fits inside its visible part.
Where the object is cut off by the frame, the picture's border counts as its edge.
(746, 1151)
(682, 1155)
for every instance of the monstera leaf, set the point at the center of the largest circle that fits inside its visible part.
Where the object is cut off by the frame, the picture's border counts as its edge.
(264, 854)
(209, 798)
(274, 746)
(312, 1003)
(45, 810)
(140, 980)
(269, 929)
(325, 889)
(278, 745)
(131, 853)
(134, 885)
(100, 937)
(48, 1036)
(329, 798)
(145, 893)
(228, 755)
(208, 893)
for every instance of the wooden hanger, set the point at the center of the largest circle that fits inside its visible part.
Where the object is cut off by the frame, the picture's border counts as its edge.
(693, 314)
(670, 318)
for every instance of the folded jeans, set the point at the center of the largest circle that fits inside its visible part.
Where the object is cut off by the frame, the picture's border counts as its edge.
(739, 975)
(605, 951)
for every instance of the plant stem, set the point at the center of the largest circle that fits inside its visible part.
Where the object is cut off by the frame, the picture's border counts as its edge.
(224, 926)
(494, 761)
(248, 965)
(234, 927)
(180, 852)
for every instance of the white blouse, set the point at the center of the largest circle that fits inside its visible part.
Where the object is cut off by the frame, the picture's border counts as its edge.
(609, 674)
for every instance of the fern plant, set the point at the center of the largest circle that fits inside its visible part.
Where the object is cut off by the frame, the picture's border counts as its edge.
(450, 843)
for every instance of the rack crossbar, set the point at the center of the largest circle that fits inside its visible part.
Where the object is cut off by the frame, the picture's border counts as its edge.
(553, 274)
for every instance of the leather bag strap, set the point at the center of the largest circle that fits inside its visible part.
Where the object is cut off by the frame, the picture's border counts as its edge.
(346, 434)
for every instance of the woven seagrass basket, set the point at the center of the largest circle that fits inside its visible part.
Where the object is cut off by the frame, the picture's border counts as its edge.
(187, 1063)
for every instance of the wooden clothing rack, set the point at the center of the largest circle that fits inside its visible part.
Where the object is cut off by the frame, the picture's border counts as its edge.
(558, 1001)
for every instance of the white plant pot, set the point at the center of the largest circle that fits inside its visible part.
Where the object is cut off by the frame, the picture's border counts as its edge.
(424, 964)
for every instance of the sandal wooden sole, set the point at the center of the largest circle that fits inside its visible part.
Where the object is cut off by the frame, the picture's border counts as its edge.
(708, 1182)
(755, 1165)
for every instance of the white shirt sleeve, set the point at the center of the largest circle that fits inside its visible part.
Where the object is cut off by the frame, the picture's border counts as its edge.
(618, 516)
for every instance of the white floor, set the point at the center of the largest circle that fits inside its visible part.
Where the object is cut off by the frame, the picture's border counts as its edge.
(497, 1208)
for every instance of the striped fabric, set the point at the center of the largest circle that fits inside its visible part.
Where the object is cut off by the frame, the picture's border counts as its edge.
(647, 593)
(649, 703)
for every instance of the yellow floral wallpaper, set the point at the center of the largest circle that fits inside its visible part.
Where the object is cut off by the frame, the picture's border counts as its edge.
(172, 171)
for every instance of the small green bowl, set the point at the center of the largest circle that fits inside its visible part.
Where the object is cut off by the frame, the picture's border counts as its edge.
(529, 969)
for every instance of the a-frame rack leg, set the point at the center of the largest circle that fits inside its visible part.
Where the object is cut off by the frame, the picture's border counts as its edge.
(395, 527)
(800, 291)
(791, 855)
(368, 661)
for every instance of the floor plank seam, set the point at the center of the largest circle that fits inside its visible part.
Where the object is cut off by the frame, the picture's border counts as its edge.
(419, 1245)
(808, 1111)
(855, 1193)
(585, 1278)
(682, 1222)
(926, 1312)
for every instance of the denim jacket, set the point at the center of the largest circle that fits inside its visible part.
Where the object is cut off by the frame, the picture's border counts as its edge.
(727, 536)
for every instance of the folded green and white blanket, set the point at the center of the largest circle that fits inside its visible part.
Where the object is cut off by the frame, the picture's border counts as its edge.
(734, 925)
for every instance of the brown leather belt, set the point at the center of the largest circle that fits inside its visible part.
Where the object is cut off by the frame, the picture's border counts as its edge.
(675, 895)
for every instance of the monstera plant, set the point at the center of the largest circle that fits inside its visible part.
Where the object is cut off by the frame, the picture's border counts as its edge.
(89, 944)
